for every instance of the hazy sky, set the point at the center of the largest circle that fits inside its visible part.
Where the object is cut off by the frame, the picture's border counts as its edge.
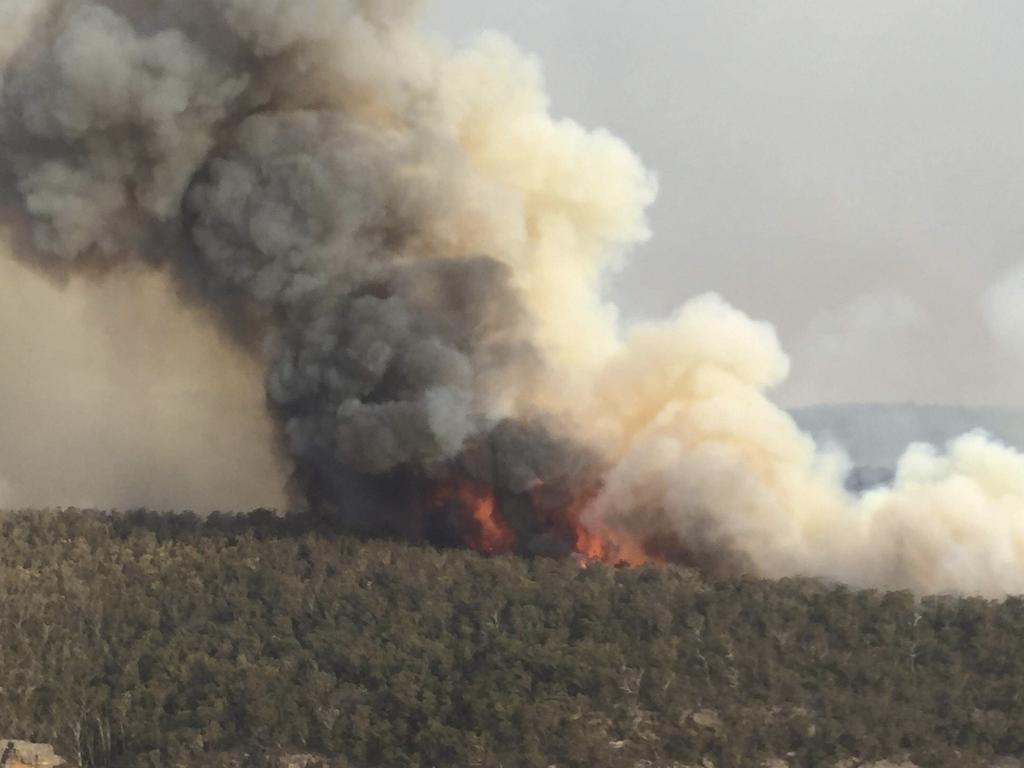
(851, 171)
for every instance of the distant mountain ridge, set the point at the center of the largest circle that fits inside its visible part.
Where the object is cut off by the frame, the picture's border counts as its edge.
(875, 435)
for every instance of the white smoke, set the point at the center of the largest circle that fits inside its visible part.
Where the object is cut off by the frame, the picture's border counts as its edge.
(710, 460)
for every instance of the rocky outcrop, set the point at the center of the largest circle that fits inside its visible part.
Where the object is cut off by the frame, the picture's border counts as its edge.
(300, 761)
(275, 759)
(25, 754)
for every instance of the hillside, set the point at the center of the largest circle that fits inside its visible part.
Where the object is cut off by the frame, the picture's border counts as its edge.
(157, 640)
(875, 435)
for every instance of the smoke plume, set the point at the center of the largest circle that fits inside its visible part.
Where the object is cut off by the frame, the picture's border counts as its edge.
(412, 249)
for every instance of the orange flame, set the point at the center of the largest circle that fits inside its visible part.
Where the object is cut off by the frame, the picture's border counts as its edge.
(491, 533)
(494, 535)
(597, 544)
(487, 531)
(607, 546)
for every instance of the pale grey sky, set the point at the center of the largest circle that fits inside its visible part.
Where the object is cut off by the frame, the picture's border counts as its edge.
(851, 171)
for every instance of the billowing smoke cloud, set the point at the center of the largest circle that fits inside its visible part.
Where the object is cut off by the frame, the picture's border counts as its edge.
(711, 470)
(401, 235)
(412, 248)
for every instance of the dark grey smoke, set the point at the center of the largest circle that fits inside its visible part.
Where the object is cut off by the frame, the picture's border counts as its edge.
(296, 189)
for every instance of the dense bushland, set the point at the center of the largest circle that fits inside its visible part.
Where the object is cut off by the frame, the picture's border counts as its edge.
(150, 640)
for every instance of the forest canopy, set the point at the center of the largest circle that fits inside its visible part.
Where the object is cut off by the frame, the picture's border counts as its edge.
(145, 639)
